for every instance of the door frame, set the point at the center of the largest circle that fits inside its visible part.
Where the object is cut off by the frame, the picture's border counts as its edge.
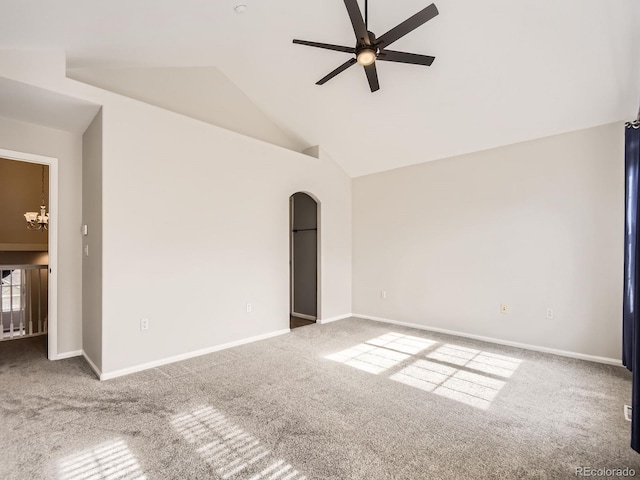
(318, 253)
(52, 325)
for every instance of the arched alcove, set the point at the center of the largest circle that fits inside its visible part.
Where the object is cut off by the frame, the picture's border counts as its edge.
(304, 259)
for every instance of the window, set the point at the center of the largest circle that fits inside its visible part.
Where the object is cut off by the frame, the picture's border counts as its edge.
(11, 290)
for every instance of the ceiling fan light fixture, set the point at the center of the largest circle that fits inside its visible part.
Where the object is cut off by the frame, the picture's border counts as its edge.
(366, 57)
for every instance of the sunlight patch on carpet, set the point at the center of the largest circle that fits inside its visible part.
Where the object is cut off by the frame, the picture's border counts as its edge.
(460, 385)
(486, 362)
(463, 374)
(107, 461)
(231, 451)
(381, 353)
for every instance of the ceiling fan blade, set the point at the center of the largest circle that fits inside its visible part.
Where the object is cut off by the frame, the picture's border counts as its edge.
(410, 24)
(403, 57)
(372, 76)
(359, 28)
(326, 46)
(338, 70)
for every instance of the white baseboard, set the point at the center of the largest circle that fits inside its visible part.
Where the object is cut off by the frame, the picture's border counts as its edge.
(334, 319)
(95, 369)
(62, 356)
(525, 346)
(185, 356)
(304, 315)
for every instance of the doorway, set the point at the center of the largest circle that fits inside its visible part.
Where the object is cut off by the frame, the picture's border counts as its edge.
(28, 252)
(304, 260)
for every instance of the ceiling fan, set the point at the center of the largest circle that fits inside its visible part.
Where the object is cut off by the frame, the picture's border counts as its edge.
(368, 48)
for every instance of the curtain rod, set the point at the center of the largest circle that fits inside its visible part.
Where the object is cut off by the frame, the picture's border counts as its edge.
(636, 123)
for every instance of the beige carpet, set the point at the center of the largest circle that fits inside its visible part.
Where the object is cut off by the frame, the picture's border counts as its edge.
(353, 399)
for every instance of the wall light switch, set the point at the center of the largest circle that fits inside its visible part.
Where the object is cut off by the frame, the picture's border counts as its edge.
(85, 230)
(86, 250)
(504, 309)
(383, 294)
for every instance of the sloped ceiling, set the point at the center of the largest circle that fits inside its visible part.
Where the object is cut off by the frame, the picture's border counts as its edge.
(204, 93)
(27, 103)
(505, 71)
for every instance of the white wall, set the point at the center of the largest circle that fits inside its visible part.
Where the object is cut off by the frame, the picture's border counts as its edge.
(67, 148)
(92, 264)
(196, 225)
(335, 235)
(535, 225)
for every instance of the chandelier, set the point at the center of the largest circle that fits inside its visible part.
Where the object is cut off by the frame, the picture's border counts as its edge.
(35, 220)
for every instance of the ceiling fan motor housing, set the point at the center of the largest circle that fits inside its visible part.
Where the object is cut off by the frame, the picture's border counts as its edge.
(367, 53)
(372, 38)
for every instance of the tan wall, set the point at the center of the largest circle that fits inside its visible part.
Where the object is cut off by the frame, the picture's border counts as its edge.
(20, 191)
(24, 258)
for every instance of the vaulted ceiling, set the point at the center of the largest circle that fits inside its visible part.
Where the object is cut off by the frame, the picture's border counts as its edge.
(505, 71)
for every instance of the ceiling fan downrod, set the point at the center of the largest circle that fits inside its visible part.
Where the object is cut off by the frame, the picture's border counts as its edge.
(366, 14)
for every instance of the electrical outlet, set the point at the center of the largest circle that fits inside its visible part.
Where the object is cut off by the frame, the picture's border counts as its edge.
(504, 308)
(549, 313)
(249, 308)
(144, 324)
(86, 250)
(383, 294)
